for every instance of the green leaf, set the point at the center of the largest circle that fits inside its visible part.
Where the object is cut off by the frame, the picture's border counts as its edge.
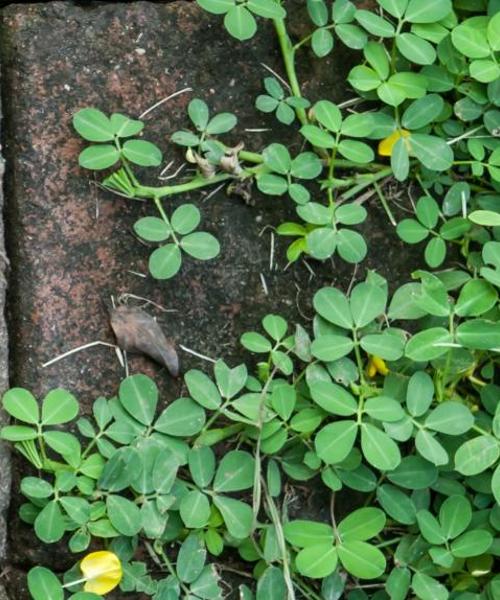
(400, 160)
(423, 111)
(255, 342)
(358, 152)
(328, 114)
(306, 165)
(333, 398)
(317, 561)
(182, 418)
(403, 304)
(240, 23)
(420, 393)
(378, 448)
(202, 465)
(396, 504)
(235, 472)
(98, 158)
(125, 126)
(198, 113)
(396, 8)
(452, 418)
(427, 211)
(428, 446)
(331, 347)
(277, 158)
(362, 524)
(455, 515)
(477, 455)
(429, 344)
(411, 231)
(34, 487)
(201, 245)
(230, 381)
(351, 245)
(165, 262)
(391, 94)
(152, 229)
(350, 214)
(142, 153)
(139, 397)
(124, 515)
(430, 528)
(21, 405)
(275, 326)
(357, 125)
(65, 444)
(361, 559)
(472, 543)
(217, 7)
(93, 125)
(191, 558)
(487, 218)
(383, 408)
(471, 39)
(435, 252)
(271, 184)
(49, 524)
(493, 32)
(78, 509)
(428, 588)
(479, 334)
(416, 49)
(433, 152)
(317, 137)
(237, 516)
(59, 406)
(271, 584)
(367, 303)
(322, 42)
(485, 71)
(44, 585)
(374, 24)
(364, 78)
(307, 534)
(334, 442)
(18, 433)
(223, 122)
(269, 9)
(420, 11)
(195, 509)
(185, 138)
(398, 582)
(203, 389)
(411, 85)
(185, 219)
(332, 305)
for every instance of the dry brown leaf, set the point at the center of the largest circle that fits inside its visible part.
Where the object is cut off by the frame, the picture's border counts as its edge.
(138, 332)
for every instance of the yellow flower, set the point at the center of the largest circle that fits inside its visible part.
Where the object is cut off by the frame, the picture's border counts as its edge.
(376, 365)
(102, 572)
(385, 146)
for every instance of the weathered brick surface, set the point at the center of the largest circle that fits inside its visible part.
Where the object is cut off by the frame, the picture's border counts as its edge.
(70, 244)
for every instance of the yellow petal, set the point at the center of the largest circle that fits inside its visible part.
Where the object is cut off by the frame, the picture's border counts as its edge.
(102, 571)
(371, 369)
(385, 146)
(380, 365)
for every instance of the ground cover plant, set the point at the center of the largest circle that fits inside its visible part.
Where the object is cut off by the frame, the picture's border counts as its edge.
(391, 398)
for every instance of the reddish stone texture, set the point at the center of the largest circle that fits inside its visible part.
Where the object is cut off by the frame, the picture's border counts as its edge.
(71, 244)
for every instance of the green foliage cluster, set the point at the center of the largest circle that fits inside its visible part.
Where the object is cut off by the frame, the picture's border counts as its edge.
(391, 399)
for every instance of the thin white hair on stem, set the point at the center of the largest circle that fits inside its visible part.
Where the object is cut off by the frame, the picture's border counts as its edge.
(194, 353)
(78, 349)
(264, 284)
(283, 81)
(163, 100)
(173, 175)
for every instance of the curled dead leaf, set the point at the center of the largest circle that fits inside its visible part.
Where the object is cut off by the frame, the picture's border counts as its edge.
(137, 332)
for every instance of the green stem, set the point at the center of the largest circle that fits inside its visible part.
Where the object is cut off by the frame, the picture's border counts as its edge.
(367, 182)
(288, 54)
(146, 191)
